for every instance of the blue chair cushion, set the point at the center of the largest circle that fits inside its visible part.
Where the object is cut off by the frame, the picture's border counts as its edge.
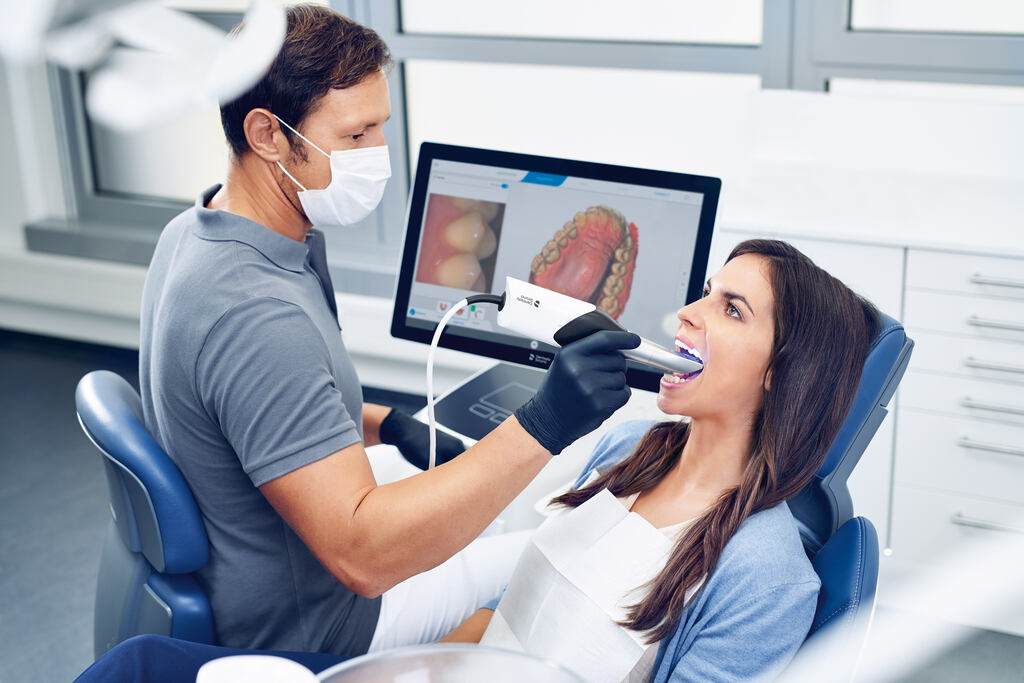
(848, 568)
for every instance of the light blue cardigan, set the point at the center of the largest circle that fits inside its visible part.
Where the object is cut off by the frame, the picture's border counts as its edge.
(755, 609)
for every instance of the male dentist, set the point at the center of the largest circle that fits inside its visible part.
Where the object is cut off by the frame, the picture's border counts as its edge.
(247, 385)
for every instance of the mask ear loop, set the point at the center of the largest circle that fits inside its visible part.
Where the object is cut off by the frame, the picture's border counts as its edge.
(301, 136)
(313, 144)
(281, 166)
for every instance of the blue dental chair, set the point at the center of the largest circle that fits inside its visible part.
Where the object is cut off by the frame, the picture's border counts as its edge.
(156, 539)
(843, 548)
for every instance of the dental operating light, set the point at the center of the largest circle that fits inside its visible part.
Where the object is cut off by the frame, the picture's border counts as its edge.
(146, 63)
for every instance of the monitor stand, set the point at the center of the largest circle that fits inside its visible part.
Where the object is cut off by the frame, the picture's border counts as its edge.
(483, 401)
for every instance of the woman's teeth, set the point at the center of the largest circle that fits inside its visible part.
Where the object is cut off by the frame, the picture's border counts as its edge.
(685, 350)
(676, 378)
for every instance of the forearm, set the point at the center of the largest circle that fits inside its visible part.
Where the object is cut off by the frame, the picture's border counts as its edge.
(373, 415)
(472, 629)
(417, 523)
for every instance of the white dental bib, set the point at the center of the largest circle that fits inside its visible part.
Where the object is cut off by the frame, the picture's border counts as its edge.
(582, 568)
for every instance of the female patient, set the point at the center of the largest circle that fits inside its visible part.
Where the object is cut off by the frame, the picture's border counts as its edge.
(675, 556)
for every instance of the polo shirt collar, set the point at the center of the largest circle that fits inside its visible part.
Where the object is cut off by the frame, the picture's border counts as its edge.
(223, 226)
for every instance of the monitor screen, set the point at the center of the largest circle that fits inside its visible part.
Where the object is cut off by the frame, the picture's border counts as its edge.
(633, 242)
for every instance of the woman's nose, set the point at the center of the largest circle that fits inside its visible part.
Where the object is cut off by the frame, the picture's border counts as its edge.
(689, 314)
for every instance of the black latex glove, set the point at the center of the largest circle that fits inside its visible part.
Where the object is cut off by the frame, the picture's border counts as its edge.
(412, 438)
(585, 384)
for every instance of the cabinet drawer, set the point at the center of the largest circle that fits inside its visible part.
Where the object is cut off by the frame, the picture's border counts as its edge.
(944, 542)
(947, 271)
(965, 314)
(960, 455)
(963, 397)
(968, 357)
(929, 523)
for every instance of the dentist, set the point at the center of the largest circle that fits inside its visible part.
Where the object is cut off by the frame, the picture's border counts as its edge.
(247, 385)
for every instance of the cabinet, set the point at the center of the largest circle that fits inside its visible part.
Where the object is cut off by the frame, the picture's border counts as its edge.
(959, 471)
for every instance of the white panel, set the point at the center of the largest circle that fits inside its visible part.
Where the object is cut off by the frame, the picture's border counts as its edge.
(970, 274)
(965, 356)
(925, 90)
(967, 315)
(669, 21)
(177, 160)
(947, 16)
(963, 397)
(676, 121)
(932, 451)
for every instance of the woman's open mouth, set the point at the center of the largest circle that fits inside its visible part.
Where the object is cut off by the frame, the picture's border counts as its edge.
(686, 350)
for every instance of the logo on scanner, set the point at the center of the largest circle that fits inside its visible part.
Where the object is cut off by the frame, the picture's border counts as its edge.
(528, 300)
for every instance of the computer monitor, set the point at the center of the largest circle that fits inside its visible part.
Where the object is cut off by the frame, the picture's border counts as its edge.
(632, 241)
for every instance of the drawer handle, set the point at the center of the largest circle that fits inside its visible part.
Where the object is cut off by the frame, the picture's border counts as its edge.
(965, 442)
(972, 362)
(980, 279)
(975, 523)
(995, 324)
(968, 402)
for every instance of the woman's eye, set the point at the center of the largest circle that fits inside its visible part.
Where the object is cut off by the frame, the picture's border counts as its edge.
(357, 137)
(732, 311)
(706, 292)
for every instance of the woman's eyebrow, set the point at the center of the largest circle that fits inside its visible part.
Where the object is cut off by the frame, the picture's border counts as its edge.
(734, 296)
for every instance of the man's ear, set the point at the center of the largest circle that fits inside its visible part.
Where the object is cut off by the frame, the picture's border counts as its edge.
(264, 135)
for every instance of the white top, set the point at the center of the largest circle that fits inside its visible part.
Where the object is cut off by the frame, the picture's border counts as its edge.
(582, 569)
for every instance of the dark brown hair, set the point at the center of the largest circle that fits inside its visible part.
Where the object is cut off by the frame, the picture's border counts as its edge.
(822, 335)
(322, 50)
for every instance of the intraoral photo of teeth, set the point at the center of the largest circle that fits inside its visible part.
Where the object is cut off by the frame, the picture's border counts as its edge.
(460, 237)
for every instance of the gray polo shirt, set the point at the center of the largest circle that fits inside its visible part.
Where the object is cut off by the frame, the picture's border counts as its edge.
(244, 378)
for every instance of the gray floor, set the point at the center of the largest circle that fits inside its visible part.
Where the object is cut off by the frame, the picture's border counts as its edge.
(53, 513)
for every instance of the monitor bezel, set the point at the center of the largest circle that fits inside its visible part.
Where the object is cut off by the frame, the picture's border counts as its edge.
(540, 358)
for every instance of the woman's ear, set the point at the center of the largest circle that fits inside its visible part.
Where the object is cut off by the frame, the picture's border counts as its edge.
(264, 135)
(768, 379)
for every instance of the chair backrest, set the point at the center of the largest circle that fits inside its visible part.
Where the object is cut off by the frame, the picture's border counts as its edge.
(157, 538)
(843, 548)
(825, 504)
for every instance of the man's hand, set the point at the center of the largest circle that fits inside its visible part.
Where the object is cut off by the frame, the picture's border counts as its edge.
(585, 384)
(412, 438)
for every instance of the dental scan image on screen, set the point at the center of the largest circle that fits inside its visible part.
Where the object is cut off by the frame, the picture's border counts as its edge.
(625, 248)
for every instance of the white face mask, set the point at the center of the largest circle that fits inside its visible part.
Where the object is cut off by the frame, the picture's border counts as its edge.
(358, 177)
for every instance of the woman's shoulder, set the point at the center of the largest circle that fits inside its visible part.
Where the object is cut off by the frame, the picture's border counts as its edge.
(615, 445)
(767, 553)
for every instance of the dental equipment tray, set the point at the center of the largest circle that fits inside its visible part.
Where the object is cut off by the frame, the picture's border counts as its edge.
(486, 399)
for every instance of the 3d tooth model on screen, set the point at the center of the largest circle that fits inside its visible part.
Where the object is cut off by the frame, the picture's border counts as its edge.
(591, 258)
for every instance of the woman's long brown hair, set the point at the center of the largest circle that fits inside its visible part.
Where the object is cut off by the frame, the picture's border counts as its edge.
(822, 335)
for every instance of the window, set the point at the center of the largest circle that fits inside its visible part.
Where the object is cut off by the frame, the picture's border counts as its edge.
(943, 16)
(732, 22)
(666, 84)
